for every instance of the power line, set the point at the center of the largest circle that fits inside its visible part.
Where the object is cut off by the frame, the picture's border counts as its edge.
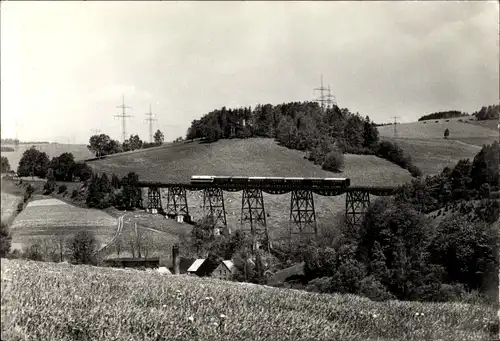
(123, 116)
(330, 98)
(150, 119)
(395, 125)
(322, 100)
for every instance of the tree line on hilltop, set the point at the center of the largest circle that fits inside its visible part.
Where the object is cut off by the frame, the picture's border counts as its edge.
(102, 145)
(442, 115)
(302, 126)
(489, 112)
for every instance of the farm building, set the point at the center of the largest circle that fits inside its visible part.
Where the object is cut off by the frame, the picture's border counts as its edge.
(225, 270)
(201, 267)
(137, 263)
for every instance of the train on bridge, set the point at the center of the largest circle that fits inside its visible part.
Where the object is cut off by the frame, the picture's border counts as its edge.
(206, 179)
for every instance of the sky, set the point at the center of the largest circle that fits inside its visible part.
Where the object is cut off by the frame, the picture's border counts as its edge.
(66, 65)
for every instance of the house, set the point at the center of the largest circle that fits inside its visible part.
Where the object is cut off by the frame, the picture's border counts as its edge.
(225, 270)
(201, 267)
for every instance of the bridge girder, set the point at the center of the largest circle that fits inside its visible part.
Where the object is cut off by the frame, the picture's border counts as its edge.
(302, 213)
(177, 201)
(356, 204)
(154, 200)
(213, 207)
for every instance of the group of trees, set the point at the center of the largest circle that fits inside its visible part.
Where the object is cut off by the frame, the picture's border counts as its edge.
(490, 112)
(104, 192)
(467, 180)
(4, 165)
(60, 168)
(298, 125)
(442, 115)
(102, 145)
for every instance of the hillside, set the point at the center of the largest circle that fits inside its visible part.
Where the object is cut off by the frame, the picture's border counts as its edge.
(428, 149)
(140, 305)
(250, 157)
(49, 218)
(79, 151)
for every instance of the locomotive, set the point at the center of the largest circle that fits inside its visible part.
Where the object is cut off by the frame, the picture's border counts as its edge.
(342, 182)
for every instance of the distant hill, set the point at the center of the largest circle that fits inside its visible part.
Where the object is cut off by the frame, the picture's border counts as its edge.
(79, 151)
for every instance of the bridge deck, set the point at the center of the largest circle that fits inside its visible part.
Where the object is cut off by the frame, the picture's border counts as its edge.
(326, 190)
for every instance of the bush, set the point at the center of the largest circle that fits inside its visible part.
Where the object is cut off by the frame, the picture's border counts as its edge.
(48, 188)
(81, 248)
(74, 194)
(450, 292)
(5, 240)
(373, 289)
(20, 207)
(319, 262)
(62, 189)
(348, 277)
(320, 285)
(33, 252)
(334, 161)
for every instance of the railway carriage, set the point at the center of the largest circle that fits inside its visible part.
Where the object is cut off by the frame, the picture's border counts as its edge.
(341, 182)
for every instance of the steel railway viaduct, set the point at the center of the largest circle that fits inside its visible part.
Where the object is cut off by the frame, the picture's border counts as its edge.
(302, 214)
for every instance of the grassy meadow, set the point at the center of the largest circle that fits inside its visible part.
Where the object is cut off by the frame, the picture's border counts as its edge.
(46, 218)
(79, 151)
(65, 302)
(430, 152)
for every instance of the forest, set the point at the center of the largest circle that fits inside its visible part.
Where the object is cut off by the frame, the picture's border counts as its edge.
(302, 126)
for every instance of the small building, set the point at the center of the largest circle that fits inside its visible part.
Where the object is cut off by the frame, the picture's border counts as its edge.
(201, 267)
(136, 263)
(225, 270)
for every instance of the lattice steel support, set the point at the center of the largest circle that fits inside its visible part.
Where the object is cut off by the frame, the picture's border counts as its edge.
(154, 199)
(302, 212)
(177, 202)
(356, 204)
(213, 206)
(253, 212)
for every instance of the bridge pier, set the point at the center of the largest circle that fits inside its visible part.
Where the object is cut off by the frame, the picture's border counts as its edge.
(154, 200)
(213, 206)
(177, 202)
(302, 212)
(252, 211)
(356, 204)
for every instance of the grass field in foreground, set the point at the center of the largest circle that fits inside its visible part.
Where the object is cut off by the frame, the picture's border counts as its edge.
(48, 217)
(64, 302)
(79, 151)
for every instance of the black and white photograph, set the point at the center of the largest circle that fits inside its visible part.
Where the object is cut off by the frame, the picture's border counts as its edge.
(250, 170)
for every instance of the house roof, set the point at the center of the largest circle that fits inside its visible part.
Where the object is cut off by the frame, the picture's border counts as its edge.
(229, 264)
(196, 265)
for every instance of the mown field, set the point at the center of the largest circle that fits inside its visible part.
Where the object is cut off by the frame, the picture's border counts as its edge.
(79, 151)
(11, 196)
(250, 157)
(46, 218)
(65, 302)
(430, 151)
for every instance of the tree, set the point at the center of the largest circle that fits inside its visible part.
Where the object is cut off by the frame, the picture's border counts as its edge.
(131, 195)
(63, 167)
(158, 137)
(135, 142)
(5, 166)
(334, 161)
(33, 163)
(82, 247)
(82, 171)
(50, 185)
(102, 145)
(446, 133)
(5, 240)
